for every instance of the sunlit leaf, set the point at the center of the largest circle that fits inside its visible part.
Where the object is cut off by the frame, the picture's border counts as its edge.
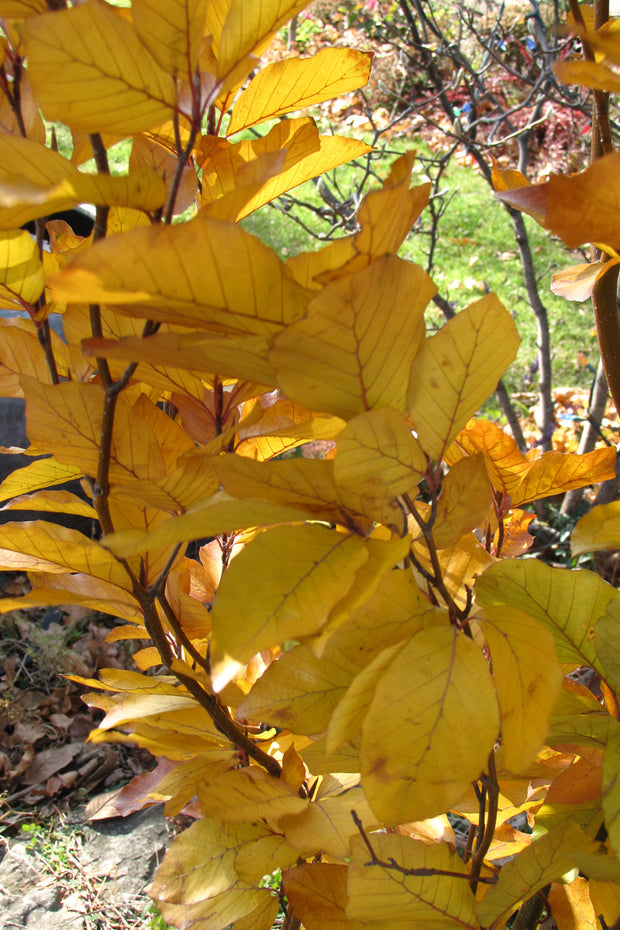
(53, 502)
(239, 173)
(249, 794)
(457, 369)
(224, 278)
(578, 208)
(49, 547)
(436, 700)
(527, 679)
(295, 83)
(247, 29)
(171, 32)
(611, 792)
(44, 473)
(90, 70)
(66, 419)
(605, 897)
(256, 608)
(299, 691)
(378, 455)
(577, 282)
(378, 891)
(36, 181)
(598, 529)
(385, 217)
(578, 719)
(571, 906)
(353, 351)
(326, 826)
(21, 271)
(530, 477)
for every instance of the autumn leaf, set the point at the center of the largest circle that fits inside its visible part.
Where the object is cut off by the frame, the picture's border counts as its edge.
(353, 350)
(95, 49)
(436, 700)
(295, 83)
(21, 275)
(318, 893)
(527, 678)
(171, 32)
(457, 369)
(598, 529)
(379, 891)
(225, 279)
(316, 568)
(249, 794)
(580, 208)
(464, 501)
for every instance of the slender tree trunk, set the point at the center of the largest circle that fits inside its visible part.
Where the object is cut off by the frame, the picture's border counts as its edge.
(591, 432)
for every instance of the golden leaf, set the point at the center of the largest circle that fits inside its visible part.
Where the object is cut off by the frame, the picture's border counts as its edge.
(44, 473)
(255, 608)
(438, 698)
(571, 906)
(296, 83)
(21, 271)
(378, 455)
(326, 826)
(353, 351)
(299, 691)
(224, 279)
(249, 794)
(598, 529)
(611, 792)
(94, 49)
(579, 208)
(247, 30)
(172, 32)
(379, 892)
(464, 501)
(527, 678)
(318, 895)
(457, 369)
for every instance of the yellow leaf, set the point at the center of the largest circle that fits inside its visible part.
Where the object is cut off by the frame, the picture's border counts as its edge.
(459, 565)
(224, 279)
(43, 473)
(263, 917)
(256, 608)
(435, 701)
(594, 74)
(89, 69)
(65, 419)
(111, 600)
(21, 271)
(218, 514)
(577, 282)
(36, 181)
(385, 217)
(353, 350)
(247, 30)
(148, 153)
(464, 501)
(239, 170)
(598, 529)
(49, 547)
(263, 857)
(297, 83)
(172, 32)
(378, 455)
(606, 900)
(299, 691)
(527, 478)
(578, 719)
(318, 895)
(236, 356)
(571, 906)
(611, 792)
(527, 678)
(326, 826)
(567, 602)
(457, 369)
(249, 794)
(217, 911)
(346, 721)
(53, 502)
(20, 352)
(21, 9)
(546, 859)
(579, 208)
(378, 891)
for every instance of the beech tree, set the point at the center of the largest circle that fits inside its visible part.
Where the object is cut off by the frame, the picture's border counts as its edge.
(358, 656)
